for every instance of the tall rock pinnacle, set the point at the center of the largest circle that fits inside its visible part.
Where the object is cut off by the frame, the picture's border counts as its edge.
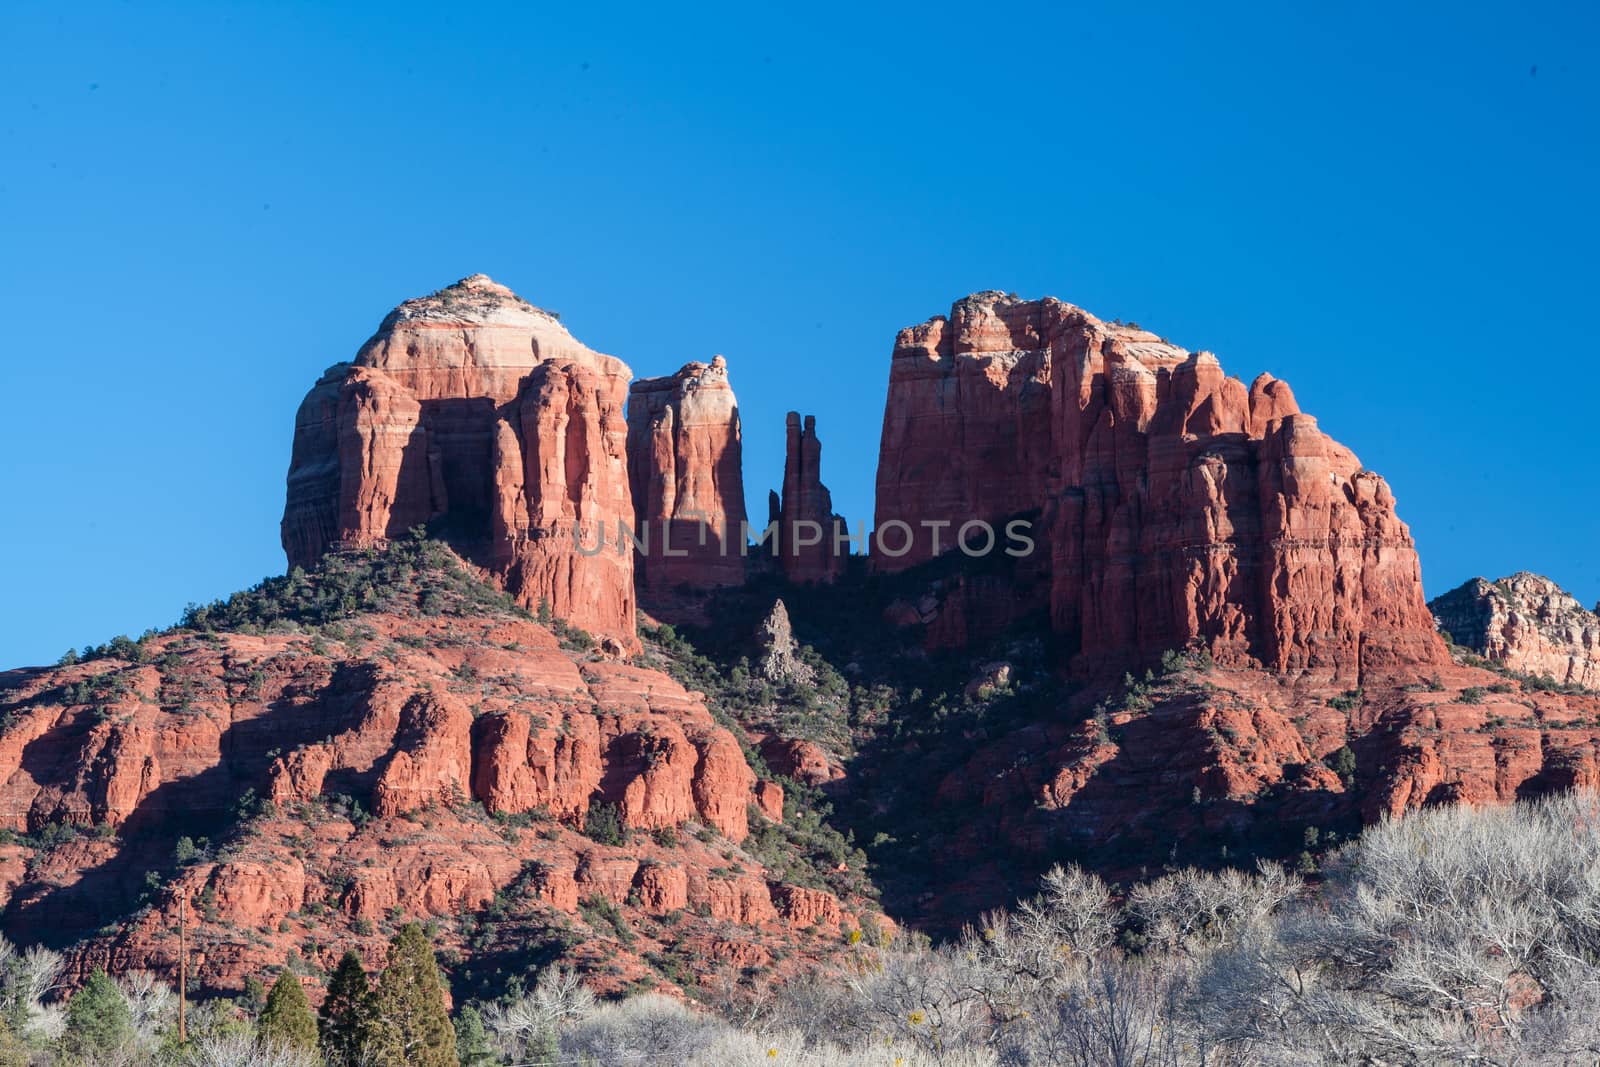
(685, 468)
(808, 530)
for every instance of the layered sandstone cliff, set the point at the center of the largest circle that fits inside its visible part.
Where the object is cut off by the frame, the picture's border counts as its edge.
(477, 414)
(1527, 624)
(685, 468)
(1210, 764)
(1177, 506)
(433, 756)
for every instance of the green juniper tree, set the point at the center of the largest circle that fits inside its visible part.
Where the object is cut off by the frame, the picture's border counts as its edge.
(98, 1019)
(287, 1018)
(472, 1040)
(345, 1022)
(255, 995)
(412, 1027)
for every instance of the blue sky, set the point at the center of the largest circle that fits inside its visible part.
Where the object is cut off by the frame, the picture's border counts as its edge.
(201, 208)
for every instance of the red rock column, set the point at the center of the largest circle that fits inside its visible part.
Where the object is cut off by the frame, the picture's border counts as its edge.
(575, 491)
(806, 510)
(686, 471)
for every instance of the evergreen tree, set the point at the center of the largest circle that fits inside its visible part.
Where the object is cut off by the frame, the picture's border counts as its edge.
(413, 1029)
(255, 995)
(345, 1022)
(546, 1046)
(472, 1040)
(287, 1018)
(98, 1018)
(13, 1050)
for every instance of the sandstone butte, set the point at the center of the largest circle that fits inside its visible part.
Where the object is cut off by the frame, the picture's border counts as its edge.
(1527, 624)
(435, 764)
(1179, 511)
(686, 471)
(479, 415)
(1173, 506)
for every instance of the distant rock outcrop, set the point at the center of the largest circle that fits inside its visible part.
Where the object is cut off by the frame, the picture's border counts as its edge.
(1527, 624)
(780, 652)
(684, 463)
(479, 415)
(811, 538)
(1177, 506)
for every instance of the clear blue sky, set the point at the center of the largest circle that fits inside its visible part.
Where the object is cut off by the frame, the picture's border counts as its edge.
(201, 209)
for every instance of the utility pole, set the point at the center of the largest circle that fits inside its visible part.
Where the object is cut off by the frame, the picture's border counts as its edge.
(183, 969)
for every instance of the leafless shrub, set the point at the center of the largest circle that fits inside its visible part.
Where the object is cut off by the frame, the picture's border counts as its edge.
(1455, 935)
(517, 1028)
(641, 1030)
(936, 1001)
(28, 979)
(151, 1003)
(1048, 939)
(818, 1006)
(1193, 912)
(241, 1050)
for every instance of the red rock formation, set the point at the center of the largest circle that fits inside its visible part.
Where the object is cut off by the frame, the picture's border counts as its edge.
(812, 541)
(425, 721)
(1176, 506)
(475, 412)
(804, 761)
(1527, 624)
(808, 907)
(684, 463)
(1207, 759)
(966, 428)
(662, 889)
(561, 492)
(769, 798)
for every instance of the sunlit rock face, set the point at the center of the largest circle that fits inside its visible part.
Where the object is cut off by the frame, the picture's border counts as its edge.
(1527, 624)
(1176, 505)
(477, 414)
(685, 466)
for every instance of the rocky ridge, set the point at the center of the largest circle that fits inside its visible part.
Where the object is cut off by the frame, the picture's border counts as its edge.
(1525, 623)
(307, 771)
(966, 772)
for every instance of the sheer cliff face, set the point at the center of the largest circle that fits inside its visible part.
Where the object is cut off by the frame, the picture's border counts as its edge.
(685, 467)
(1177, 506)
(1525, 623)
(966, 424)
(478, 414)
